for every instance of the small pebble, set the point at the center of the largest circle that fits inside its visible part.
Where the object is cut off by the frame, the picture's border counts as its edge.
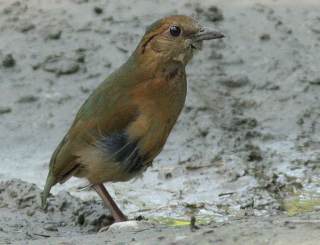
(54, 35)
(30, 212)
(166, 172)
(50, 227)
(315, 81)
(28, 99)
(214, 14)
(127, 226)
(25, 27)
(8, 61)
(265, 37)
(60, 65)
(235, 81)
(255, 155)
(98, 10)
(5, 109)
(81, 58)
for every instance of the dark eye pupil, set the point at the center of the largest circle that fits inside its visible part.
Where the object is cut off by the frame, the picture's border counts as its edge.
(175, 31)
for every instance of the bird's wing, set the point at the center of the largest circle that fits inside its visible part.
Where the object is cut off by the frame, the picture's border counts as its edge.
(106, 111)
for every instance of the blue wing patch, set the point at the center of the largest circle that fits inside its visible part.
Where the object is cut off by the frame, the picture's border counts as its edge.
(122, 150)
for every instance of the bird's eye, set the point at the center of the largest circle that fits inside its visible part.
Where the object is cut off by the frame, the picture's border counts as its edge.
(175, 31)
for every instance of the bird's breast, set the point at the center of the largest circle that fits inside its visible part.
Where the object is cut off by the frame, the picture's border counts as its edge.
(159, 102)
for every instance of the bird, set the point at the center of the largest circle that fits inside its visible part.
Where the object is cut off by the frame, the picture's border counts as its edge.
(125, 122)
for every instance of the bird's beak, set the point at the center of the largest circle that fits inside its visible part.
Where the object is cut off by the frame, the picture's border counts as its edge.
(207, 34)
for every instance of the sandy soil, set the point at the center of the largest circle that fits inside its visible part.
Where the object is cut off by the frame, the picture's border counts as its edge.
(244, 154)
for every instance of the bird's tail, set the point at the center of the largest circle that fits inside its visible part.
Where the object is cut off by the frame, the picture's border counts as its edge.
(46, 191)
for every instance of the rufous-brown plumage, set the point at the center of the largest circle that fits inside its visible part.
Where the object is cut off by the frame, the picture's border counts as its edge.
(125, 122)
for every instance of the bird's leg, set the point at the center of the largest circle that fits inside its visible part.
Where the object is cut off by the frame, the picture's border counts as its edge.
(110, 203)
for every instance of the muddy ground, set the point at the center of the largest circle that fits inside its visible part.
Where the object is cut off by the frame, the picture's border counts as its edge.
(243, 158)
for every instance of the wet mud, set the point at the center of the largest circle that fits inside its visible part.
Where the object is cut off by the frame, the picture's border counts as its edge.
(244, 153)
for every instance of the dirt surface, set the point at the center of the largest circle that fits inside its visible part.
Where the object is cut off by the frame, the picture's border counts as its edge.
(263, 231)
(244, 154)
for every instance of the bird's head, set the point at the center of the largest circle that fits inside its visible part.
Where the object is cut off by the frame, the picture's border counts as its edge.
(174, 38)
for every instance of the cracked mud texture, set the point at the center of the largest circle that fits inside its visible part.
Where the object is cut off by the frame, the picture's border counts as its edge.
(246, 145)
